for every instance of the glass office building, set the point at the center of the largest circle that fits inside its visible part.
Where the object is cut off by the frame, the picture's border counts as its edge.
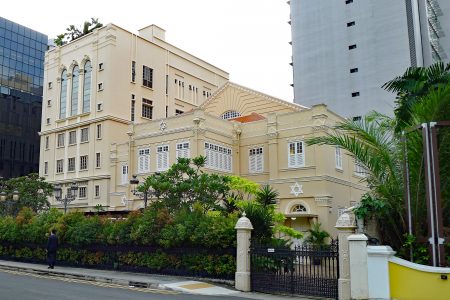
(21, 78)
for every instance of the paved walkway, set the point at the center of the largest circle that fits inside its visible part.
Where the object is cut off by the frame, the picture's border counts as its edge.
(176, 283)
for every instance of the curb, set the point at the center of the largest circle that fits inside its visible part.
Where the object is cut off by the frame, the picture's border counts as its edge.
(103, 279)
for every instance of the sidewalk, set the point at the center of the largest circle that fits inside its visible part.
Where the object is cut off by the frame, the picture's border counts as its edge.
(154, 281)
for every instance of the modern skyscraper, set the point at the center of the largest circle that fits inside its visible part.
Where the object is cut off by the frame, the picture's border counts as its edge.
(345, 50)
(21, 77)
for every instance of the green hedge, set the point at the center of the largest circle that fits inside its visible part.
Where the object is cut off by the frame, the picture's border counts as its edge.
(123, 240)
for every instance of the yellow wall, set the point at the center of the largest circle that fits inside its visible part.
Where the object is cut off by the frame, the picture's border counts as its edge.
(407, 283)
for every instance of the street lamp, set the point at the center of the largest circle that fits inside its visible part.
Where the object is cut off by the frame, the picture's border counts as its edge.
(70, 196)
(142, 195)
(9, 202)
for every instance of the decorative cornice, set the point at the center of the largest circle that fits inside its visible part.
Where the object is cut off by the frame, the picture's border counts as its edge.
(84, 123)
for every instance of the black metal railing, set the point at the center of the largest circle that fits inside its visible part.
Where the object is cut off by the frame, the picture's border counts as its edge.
(189, 261)
(304, 270)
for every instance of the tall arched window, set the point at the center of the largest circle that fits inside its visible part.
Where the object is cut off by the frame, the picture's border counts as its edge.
(74, 94)
(87, 87)
(63, 95)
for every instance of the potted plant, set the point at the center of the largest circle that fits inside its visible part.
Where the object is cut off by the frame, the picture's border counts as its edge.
(317, 238)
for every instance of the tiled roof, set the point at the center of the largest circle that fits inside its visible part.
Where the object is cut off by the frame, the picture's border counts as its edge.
(249, 118)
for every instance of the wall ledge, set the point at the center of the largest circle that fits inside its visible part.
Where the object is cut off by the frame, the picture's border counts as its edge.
(418, 267)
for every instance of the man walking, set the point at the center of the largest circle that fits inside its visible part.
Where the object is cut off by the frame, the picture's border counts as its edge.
(52, 245)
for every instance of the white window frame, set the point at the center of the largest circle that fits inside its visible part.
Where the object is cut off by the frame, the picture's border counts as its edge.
(297, 159)
(183, 150)
(256, 160)
(360, 170)
(59, 166)
(338, 157)
(143, 160)
(82, 192)
(97, 191)
(98, 160)
(68, 164)
(99, 131)
(72, 137)
(124, 174)
(84, 135)
(162, 157)
(84, 160)
(61, 139)
(218, 157)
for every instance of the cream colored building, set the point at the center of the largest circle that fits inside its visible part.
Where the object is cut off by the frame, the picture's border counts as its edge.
(119, 104)
(264, 142)
(97, 86)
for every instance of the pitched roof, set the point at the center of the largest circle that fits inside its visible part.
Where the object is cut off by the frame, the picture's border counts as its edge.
(248, 118)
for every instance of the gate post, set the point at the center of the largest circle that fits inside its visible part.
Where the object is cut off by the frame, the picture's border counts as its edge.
(242, 276)
(359, 282)
(345, 228)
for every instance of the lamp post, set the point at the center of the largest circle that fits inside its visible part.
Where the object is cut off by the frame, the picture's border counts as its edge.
(70, 196)
(9, 202)
(142, 195)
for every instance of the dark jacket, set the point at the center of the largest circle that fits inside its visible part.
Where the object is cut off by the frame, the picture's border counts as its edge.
(52, 243)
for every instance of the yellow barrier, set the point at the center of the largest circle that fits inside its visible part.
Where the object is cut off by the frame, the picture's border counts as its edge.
(410, 281)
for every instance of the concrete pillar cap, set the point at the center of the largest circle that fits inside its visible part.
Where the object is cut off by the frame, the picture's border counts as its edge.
(244, 223)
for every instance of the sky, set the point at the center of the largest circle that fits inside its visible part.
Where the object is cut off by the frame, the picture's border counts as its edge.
(247, 38)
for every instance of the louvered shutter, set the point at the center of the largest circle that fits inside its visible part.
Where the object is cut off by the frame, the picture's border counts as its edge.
(124, 174)
(259, 162)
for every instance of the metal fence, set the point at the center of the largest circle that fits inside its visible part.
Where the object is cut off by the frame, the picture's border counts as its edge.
(187, 261)
(305, 270)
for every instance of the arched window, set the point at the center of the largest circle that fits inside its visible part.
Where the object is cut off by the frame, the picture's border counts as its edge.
(63, 95)
(299, 209)
(74, 94)
(87, 87)
(231, 114)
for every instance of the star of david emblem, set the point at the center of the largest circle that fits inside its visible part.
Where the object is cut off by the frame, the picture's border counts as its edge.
(162, 126)
(296, 189)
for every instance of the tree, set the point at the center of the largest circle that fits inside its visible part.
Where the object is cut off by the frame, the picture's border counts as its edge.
(414, 85)
(266, 195)
(185, 184)
(371, 142)
(73, 32)
(33, 192)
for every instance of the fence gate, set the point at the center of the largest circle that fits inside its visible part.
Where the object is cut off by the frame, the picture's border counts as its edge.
(305, 270)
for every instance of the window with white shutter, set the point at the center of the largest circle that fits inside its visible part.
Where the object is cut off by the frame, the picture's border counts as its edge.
(338, 157)
(218, 157)
(296, 154)
(183, 150)
(124, 174)
(255, 160)
(162, 158)
(144, 160)
(360, 170)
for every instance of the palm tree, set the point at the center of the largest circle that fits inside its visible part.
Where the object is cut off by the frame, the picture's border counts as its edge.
(266, 195)
(372, 143)
(412, 86)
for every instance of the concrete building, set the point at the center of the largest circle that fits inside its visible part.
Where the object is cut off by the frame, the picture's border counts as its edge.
(21, 78)
(119, 104)
(99, 85)
(344, 51)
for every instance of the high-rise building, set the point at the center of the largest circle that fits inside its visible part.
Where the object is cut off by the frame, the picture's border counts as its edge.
(345, 50)
(21, 78)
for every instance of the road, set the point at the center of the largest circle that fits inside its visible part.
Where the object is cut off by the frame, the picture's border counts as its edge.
(26, 286)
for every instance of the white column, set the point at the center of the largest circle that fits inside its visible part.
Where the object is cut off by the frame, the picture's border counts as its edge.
(345, 227)
(244, 231)
(378, 273)
(359, 284)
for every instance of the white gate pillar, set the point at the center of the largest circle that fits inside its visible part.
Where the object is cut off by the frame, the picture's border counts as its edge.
(359, 282)
(345, 227)
(242, 276)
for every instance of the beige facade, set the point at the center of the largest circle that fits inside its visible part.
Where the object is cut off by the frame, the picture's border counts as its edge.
(93, 134)
(97, 86)
(314, 184)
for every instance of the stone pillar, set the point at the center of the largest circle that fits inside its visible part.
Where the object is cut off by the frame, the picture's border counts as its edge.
(378, 272)
(359, 284)
(244, 231)
(345, 228)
